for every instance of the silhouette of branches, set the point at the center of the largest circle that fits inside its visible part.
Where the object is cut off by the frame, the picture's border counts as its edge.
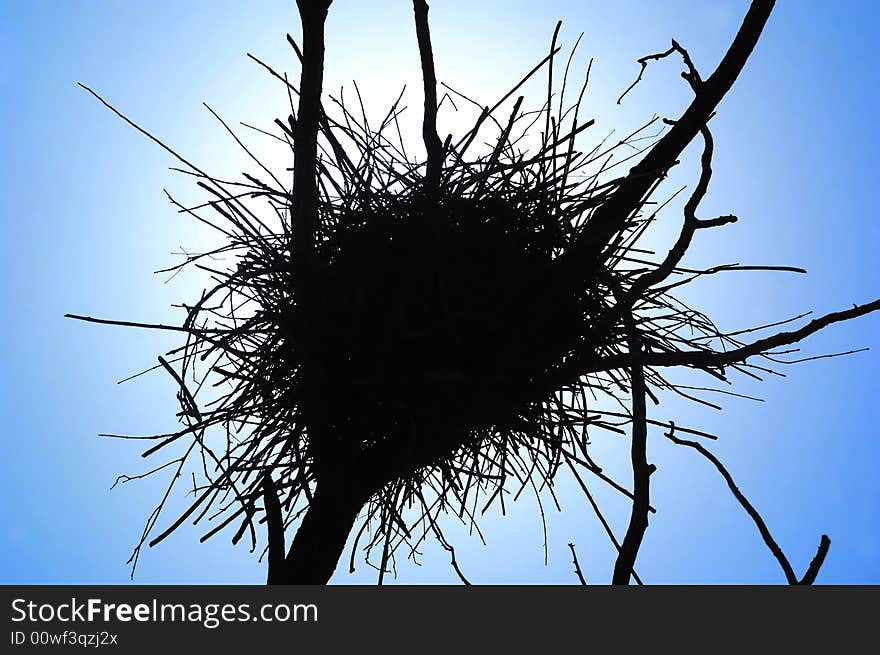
(593, 246)
(810, 575)
(397, 342)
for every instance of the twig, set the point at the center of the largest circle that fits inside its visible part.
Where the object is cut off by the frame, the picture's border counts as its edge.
(577, 566)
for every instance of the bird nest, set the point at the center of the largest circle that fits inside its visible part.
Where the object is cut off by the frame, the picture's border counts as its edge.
(440, 323)
(443, 345)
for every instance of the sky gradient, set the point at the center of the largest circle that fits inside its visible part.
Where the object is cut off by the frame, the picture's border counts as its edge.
(86, 223)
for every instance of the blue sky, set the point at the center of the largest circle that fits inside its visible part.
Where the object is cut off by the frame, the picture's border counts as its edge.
(85, 223)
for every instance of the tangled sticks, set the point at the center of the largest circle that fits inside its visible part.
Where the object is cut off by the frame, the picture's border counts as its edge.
(397, 339)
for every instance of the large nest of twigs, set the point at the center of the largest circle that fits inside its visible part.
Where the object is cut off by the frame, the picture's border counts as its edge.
(451, 338)
(441, 322)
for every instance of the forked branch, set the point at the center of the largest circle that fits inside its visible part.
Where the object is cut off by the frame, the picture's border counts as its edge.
(810, 575)
(710, 359)
(610, 217)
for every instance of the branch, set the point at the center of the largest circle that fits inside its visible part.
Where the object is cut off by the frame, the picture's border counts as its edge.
(813, 569)
(691, 76)
(638, 522)
(275, 531)
(577, 566)
(188, 401)
(433, 146)
(148, 326)
(689, 227)
(787, 569)
(599, 514)
(610, 217)
(707, 359)
(451, 550)
(643, 62)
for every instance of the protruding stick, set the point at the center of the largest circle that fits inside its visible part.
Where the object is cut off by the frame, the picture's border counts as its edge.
(433, 146)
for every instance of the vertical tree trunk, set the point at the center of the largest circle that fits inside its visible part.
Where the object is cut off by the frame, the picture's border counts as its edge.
(638, 521)
(433, 146)
(304, 209)
(321, 537)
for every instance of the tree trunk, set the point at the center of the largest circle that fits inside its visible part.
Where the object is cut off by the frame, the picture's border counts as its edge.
(320, 540)
(638, 522)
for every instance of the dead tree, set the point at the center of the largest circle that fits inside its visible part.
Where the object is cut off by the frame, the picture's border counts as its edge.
(396, 339)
